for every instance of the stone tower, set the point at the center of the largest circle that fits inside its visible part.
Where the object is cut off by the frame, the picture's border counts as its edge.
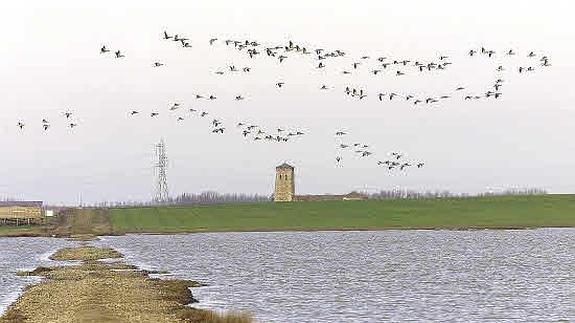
(285, 186)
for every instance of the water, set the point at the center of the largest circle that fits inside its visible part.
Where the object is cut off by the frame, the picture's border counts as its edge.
(23, 254)
(465, 276)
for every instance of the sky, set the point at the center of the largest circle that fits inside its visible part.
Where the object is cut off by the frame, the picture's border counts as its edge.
(50, 62)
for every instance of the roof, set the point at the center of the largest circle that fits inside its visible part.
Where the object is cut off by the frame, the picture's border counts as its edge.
(355, 195)
(22, 203)
(285, 165)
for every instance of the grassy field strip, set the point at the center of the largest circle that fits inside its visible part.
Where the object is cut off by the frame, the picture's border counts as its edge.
(450, 213)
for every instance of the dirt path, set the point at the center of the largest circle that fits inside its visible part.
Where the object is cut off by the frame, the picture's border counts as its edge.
(84, 222)
(96, 291)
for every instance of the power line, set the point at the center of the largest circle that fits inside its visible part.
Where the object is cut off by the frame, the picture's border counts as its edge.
(161, 166)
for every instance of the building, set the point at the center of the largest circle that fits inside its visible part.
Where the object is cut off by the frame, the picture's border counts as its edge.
(21, 212)
(285, 189)
(284, 185)
(353, 196)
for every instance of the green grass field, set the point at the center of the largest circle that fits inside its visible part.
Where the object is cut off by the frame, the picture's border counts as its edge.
(449, 213)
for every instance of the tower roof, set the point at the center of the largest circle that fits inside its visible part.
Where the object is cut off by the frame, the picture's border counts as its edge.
(285, 166)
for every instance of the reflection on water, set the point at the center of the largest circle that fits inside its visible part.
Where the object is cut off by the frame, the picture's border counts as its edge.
(468, 276)
(23, 254)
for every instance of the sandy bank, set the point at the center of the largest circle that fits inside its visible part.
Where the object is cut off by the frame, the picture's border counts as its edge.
(107, 292)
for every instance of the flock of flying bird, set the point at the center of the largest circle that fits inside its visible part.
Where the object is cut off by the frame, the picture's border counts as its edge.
(396, 160)
(394, 67)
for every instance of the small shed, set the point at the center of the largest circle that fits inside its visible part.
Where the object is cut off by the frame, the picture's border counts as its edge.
(21, 212)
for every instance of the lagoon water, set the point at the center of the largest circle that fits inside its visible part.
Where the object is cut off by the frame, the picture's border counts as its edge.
(23, 254)
(385, 276)
(442, 276)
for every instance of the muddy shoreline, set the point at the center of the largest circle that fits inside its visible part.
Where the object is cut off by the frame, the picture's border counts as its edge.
(110, 291)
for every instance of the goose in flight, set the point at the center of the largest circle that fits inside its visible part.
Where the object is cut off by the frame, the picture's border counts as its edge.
(104, 50)
(280, 84)
(340, 133)
(134, 112)
(166, 36)
(72, 125)
(366, 153)
(67, 114)
(419, 165)
(45, 126)
(239, 97)
(118, 54)
(203, 114)
(212, 41)
(338, 159)
(158, 64)
(154, 114)
(20, 125)
(397, 155)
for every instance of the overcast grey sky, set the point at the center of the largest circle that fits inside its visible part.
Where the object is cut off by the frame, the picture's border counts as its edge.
(50, 62)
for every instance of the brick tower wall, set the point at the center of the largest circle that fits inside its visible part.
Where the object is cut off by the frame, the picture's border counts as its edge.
(284, 186)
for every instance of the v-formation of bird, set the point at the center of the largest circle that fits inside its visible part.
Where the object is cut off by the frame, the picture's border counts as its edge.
(395, 67)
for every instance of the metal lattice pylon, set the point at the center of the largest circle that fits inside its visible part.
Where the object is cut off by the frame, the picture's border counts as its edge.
(161, 166)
